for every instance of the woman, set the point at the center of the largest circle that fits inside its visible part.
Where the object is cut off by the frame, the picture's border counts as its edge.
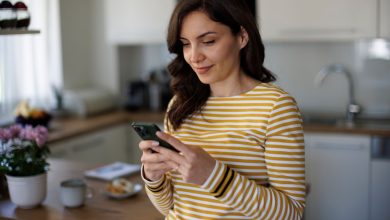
(239, 136)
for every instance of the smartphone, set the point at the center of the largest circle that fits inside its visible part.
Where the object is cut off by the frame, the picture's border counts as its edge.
(147, 131)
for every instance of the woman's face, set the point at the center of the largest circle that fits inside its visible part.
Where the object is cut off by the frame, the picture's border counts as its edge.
(210, 48)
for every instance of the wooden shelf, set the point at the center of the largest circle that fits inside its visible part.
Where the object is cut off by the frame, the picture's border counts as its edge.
(18, 31)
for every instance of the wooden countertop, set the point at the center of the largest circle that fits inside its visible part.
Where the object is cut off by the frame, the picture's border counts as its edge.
(98, 207)
(63, 129)
(71, 127)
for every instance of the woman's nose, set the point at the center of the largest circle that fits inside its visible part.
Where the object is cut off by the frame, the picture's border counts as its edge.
(196, 56)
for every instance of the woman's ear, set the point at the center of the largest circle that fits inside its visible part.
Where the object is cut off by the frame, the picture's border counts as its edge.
(243, 38)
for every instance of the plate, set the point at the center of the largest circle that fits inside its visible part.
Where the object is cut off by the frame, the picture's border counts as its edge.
(136, 190)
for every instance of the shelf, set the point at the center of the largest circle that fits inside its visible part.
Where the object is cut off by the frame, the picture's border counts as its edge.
(18, 31)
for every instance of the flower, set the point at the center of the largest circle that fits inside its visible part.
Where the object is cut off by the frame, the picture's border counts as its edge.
(23, 150)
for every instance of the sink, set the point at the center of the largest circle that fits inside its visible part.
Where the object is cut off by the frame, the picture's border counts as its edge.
(369, 123)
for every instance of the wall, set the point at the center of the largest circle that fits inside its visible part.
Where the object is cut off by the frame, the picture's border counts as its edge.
(296, 65)
(76, 31)
(137, 61)
(88, 58)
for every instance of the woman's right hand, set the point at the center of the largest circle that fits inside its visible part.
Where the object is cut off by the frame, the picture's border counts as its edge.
(155, 165)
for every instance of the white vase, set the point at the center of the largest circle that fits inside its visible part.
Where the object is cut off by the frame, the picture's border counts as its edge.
(27, 191)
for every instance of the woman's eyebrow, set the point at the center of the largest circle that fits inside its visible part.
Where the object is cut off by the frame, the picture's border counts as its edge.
(201, 35)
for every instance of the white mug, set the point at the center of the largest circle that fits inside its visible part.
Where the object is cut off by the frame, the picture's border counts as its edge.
(74, 192)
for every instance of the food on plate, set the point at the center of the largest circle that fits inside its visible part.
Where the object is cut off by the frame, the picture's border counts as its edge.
(120, 186)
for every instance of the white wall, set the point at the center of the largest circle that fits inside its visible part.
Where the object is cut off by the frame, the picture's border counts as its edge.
(76, 31)
(88, 58)
(296, 65)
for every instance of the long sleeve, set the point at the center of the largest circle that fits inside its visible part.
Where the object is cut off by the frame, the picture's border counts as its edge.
(284, 198)
(159, 192)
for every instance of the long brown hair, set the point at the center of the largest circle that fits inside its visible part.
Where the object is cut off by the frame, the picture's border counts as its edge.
(190, 93)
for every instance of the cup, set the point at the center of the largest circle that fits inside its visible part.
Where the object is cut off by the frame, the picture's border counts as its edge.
(74, 192)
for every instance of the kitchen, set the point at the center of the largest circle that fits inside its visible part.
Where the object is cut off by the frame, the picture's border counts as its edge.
(105, 45)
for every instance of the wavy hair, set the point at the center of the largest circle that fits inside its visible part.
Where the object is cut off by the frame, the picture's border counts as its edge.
(190, 94)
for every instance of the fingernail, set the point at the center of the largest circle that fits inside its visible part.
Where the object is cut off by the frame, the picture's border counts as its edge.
(155, 143)
(159, 133)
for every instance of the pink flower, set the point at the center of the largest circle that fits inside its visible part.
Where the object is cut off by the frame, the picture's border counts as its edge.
(42, 131)
(27, 133)
(15, 130)
(5, 134)
(41, 135)
(40, 141)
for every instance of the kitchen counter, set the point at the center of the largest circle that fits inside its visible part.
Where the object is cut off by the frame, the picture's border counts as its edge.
(62, 129)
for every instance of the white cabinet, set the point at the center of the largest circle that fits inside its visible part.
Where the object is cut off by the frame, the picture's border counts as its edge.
(134, 21)
(317, 20)
(338, 171)
(380, 189)
(103, 146)
(384, 11)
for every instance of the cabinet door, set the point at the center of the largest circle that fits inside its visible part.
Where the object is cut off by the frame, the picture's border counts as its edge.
(134, 21)
(337, 169)
(104, 146)
(380, 189)
(316, 20)
(384, 18)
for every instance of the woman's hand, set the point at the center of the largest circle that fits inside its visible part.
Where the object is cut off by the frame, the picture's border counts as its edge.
(155, 164)
(193, 163)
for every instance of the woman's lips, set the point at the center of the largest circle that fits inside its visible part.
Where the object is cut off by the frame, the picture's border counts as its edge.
(202, 70)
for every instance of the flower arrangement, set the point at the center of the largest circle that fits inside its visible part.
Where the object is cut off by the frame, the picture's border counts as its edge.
(23, 150)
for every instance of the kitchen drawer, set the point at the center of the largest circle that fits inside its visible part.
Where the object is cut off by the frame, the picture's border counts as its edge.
(103, 146)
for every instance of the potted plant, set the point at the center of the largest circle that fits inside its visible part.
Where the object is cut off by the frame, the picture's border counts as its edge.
(23, 154)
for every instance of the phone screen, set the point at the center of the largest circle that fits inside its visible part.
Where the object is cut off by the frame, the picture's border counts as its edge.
(147, 131)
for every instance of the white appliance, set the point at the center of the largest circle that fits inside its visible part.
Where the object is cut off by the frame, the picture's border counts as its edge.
(380, 178)
(88, 101)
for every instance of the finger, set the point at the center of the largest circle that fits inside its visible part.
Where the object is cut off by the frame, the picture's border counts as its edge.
(173, 141)
(152, 157)
(172, 165)
(147, 145)
(161, 166)
(169, 155)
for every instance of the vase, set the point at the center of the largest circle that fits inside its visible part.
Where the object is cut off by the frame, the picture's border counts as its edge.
(27, 191)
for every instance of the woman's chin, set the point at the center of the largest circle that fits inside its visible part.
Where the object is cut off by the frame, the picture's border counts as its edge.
(205, 80)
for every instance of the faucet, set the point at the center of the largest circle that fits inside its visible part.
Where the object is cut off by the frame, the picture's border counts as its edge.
(353, 108)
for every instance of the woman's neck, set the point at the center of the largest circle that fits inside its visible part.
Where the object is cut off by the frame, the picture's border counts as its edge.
(232, 87)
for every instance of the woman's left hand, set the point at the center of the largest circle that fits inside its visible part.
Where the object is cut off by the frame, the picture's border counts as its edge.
(193, 163)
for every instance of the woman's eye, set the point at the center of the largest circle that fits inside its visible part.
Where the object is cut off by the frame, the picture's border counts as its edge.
(185, 44)
(209, 42)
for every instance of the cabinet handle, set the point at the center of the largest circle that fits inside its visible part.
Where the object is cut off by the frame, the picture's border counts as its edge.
(333, 146)
(88, 144)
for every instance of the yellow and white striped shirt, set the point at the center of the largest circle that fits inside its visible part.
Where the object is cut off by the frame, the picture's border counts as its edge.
(257, 140)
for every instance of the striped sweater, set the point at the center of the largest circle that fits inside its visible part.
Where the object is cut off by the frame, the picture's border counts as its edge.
(257, 141)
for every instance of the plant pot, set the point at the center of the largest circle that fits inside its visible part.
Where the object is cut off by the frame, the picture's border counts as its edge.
(27, 191)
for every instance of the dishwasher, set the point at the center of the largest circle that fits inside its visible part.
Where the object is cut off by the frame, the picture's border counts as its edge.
(380, 178)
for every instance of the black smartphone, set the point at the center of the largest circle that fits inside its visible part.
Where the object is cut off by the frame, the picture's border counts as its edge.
(147, 131)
